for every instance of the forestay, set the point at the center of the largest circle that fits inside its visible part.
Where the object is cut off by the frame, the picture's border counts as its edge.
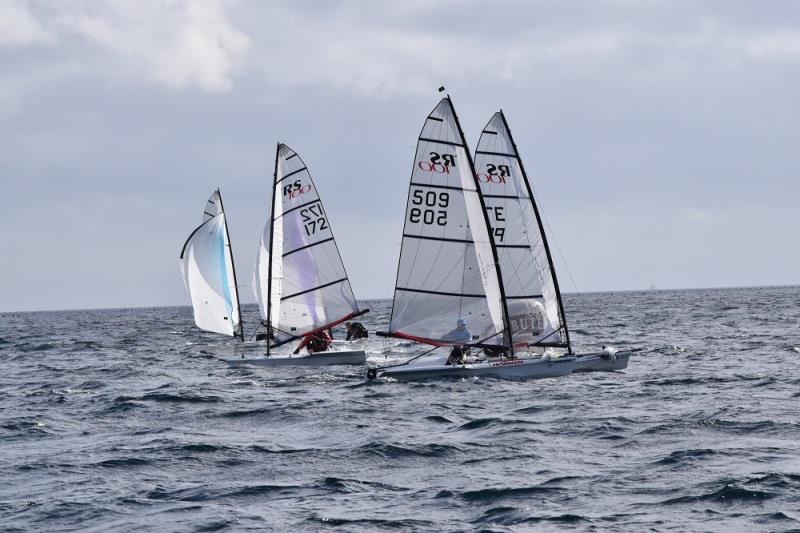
(208, 273)
(534, 304)
(300, 281)
(447, 267)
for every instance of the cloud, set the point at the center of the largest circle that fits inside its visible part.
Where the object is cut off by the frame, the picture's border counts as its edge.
(180, 45)
(18, 27)
(407, 48)
(775, 45)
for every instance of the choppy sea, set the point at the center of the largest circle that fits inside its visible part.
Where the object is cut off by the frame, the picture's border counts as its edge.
(131, 419)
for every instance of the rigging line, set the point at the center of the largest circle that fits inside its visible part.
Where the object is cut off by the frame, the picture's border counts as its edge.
(550, 229)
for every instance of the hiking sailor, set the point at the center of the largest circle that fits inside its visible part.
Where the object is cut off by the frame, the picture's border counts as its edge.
(355, 331)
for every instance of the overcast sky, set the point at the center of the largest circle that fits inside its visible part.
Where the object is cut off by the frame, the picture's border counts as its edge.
(661, 137)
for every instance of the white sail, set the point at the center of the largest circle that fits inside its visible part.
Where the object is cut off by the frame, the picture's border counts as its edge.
(531, 290)
(207, 266)
(447, 270)
(300, 281)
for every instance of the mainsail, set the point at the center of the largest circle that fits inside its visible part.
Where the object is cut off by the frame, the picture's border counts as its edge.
(447, 270)
(535, 312)
(208, 273)
(300, 281)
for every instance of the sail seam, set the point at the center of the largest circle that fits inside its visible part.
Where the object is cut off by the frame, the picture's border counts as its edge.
(423, 237)
(323, 241)
(524, 297)
(437, 119)
(313, 289)
(292, 173)
(449, 187)
(520, 246)
(298, 207)
(507, 196)
(457, 294)
(496, 153)
(451, 143)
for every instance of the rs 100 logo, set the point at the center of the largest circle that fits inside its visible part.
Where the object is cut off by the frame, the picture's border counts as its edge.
(439, 163)
(495, 173)
(293, 190)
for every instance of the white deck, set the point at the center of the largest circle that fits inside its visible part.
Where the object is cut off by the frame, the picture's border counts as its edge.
(516, 369)
(599, 362)
(341, 357)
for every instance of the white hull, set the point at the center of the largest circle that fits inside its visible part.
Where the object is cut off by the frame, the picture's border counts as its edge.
(600, 362)
(515, 369)
(343, 357)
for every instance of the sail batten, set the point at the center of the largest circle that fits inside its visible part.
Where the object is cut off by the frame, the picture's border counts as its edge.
(300, 281)
(206, 262)
(536, 315)
(447, 289)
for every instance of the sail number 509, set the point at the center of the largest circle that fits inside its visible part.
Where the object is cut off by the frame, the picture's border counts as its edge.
(429, 199)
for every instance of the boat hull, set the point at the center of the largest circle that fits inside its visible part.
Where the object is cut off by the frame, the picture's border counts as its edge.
(600, 362)
(343, 357)
(514, 369)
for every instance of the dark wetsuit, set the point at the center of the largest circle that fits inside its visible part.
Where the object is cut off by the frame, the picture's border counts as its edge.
(356, 331)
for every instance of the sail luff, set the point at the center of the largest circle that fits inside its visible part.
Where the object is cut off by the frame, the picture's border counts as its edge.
(233, 270)
(562, 315)
(271, 231)
(497, 269)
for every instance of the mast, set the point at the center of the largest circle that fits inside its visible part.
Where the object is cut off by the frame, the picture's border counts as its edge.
(495, 256)
(233, 268)
(541, 231)
(271, 228)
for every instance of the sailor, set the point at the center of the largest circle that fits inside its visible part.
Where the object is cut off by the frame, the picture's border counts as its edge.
(355, 330)
(316, 342)
(495, 351)
(460, 335)
(456, 356)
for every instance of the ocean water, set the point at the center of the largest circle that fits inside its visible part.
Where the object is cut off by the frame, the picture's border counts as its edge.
(131, 419)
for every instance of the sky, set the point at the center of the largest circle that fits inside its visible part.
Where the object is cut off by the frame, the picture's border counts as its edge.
(661, 137)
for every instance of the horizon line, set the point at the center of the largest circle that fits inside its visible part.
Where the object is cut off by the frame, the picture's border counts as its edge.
(608, 291)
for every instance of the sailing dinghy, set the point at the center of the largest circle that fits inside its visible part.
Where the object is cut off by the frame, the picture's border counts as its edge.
(536, 312)
(449, 291)
(206, 262)
(300, 281)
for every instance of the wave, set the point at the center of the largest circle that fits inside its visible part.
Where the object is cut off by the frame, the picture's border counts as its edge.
(346, 485)
(490, 495)
(392, 451)
(372, 524)
(683, 457)
(185, 397)
(725, 491)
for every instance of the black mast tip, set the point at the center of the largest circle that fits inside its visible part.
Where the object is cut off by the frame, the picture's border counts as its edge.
(441, 89)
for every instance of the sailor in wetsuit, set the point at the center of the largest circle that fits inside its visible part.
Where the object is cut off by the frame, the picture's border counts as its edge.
(461, 335)
(316, 342)
(355, 330)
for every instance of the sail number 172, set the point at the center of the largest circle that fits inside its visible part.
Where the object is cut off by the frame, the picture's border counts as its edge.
(313, 219)
(427, 200)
